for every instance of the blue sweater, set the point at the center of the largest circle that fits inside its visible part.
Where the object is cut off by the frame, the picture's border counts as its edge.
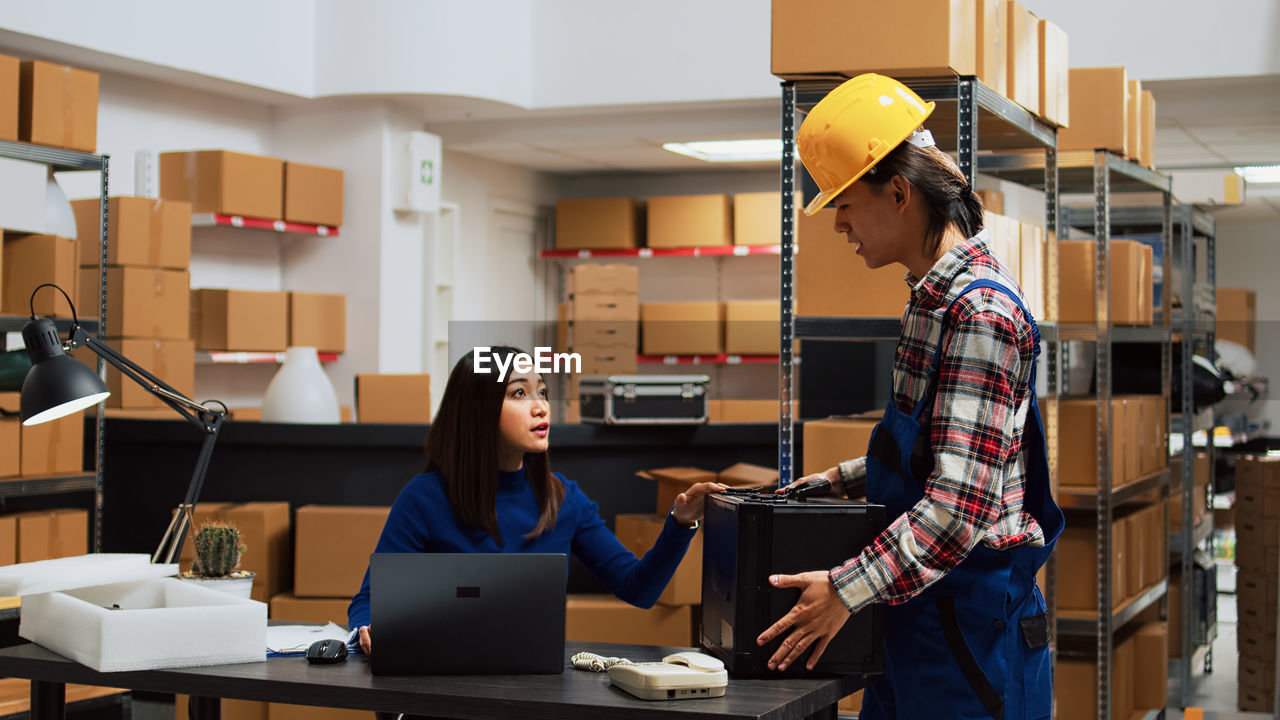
(421, 521)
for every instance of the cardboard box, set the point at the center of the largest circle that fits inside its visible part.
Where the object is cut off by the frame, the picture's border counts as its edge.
(229, 709)
(1078, 444)
(1098, 109)
(588, 223)
(318, 320)
(752, 327)
(833, 440)
(1135, 525)
(287, 606)
(51, 534)
(611, 307)
(638, 533)
(280, 711)
(591, 333)
(832, 280)
(1130, 268)
(144, 232)
(141, 302)
(1122, 678)
(691, 328)
(1133, 120)
(1236, 315)
(757, 218)
(58, 106)
(734, 410)
(992, 203)
(602, 279)
(690, 221)
(991, 40)
(1155, 434)
(1151, 676)
(226, 182)
(934, 37)
(606, 359)
(1024, 56)
(1201, 472)
(30, 261)
(34, 535)
(9, 93)
(1055, 75)
(10, 435)
(747, 475)
(246, 320)
(8, 539)
(1075, 687)
(53, 447)
(1155, 565)
(329, 564)
(393, 398)
(1147, 130)
(606, 619)
(1077, 554)
(312, 194)
(1034, 288)
(672, 481)
(173, 362)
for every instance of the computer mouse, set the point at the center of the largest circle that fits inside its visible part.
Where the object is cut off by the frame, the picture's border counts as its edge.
(326, 651)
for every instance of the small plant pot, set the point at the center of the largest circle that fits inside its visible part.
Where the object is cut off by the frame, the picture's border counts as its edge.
(239, 583)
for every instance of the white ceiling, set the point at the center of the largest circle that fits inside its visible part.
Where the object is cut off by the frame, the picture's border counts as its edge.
(1218, 123)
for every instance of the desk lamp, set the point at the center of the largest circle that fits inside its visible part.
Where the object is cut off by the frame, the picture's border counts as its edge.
(58, 385)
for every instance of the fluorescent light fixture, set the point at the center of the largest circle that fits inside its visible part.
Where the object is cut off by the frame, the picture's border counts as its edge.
(1260, 173)
(767, 150)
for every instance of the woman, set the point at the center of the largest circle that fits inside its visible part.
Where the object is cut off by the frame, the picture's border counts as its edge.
(959, 456)
(488, 487)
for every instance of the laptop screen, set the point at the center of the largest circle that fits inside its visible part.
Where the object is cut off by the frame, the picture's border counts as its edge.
(467, 613)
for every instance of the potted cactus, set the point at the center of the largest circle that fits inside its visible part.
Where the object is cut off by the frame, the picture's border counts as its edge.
(217, 563)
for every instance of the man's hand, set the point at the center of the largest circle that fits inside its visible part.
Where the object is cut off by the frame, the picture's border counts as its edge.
(816, 618)
(366, 643)
(831, 475)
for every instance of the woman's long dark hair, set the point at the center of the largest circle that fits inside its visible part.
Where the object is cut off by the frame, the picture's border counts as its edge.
(463, 445)
(934, 174)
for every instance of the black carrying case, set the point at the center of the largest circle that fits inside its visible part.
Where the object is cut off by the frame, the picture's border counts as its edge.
(643, 399)
(748, 537)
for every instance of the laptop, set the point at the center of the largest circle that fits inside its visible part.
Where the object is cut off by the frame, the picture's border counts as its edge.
(467, 613)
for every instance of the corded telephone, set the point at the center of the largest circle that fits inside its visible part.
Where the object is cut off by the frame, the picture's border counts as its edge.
(681, 676)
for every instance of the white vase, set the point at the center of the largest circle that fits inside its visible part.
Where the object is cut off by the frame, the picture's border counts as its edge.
(301, 391)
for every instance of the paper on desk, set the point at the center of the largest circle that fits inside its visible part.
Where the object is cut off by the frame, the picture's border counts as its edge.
(285, 639)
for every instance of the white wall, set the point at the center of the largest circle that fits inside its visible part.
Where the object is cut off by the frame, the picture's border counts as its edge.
(1245, 255)
(1170, 39)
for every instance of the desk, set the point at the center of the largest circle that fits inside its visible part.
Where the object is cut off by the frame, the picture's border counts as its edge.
(571, 695)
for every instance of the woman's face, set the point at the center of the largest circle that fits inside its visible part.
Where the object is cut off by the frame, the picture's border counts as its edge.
(525, 421)
(871, 221)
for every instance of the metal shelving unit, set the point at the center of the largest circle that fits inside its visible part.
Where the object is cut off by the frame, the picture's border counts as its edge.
(1183, 225)
(62, 160)
(1102, 174)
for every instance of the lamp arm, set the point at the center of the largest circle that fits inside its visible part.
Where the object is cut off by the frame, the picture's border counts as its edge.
(183, 405)
(207, 419)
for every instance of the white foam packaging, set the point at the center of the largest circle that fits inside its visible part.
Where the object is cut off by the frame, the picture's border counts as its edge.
(22, 204)
(115, 612)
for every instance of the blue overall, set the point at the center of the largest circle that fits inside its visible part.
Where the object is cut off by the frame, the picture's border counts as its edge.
(975, 644)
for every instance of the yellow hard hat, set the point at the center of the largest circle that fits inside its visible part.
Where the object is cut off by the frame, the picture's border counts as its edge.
(852, 128)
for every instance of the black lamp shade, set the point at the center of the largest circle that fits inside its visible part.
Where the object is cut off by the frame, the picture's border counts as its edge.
(57, 384)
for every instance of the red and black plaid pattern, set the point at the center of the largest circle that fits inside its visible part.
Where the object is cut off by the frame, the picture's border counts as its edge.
(982, 398)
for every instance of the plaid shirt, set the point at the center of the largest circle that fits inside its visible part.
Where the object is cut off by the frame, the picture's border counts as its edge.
(974, 494)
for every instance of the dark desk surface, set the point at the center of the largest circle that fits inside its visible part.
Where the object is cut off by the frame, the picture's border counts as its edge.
(569, 695)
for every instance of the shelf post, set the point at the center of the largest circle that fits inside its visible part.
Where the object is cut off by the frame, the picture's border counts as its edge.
(967, 129)
(1102, 370)
(786, 294)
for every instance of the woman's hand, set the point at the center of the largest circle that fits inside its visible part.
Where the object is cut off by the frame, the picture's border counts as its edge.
(831, 475)
(366, 643)
(691, 503)
(816, 618)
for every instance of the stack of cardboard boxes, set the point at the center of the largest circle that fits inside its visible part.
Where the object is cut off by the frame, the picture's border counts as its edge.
(43, 535)
(148, 291)
(1258, 559)
(1139, 676)
(255, 186)
(674, 620)
(1131, 282)
(600, 320)
(1008, 48)
(1138, 444)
